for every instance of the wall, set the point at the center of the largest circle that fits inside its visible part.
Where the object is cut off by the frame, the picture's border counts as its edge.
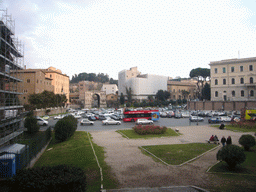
(41, 112)
(220, 105)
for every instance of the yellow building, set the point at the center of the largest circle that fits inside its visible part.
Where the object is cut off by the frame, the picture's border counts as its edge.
(177, 88)
(60, 81)
(33, 81)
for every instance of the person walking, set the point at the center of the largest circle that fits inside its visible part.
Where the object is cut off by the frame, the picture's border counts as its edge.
(229, 140)
(223, 141)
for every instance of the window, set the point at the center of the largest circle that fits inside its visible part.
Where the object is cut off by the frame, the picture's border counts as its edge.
(242, 80)
(224, 81)
(215, 70)
(28, 80)
(233, 93)
(173, 90)
(251, 93)
(50, 76)
(242, 93)
(24, 97)
(233, 81)
(251, 80)
(224, 69)
(216, 81)
(37, 81)
(250, 68)
(216, 93)
(232, 69)
(241, 68)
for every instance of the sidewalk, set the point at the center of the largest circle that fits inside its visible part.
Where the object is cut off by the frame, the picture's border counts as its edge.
(133, 169)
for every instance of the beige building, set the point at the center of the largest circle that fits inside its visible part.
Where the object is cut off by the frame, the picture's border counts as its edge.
(34, 81)
(109, 88)
(84, 86)
(183, 89)
(233, 80)
(60, 81)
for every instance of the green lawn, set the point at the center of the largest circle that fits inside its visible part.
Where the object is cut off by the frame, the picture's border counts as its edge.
(237, 128)
(77, 151)
(178, 153)
(131, 134)
(240, 179)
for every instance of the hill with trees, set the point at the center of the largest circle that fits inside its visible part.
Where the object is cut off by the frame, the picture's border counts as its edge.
(101, 78)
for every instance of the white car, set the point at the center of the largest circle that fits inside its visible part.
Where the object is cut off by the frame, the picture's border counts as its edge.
(86, 122)
(225, 118)
(111, 122)
(41, 121)
(58, 117)
(143, 121)
(195, 118)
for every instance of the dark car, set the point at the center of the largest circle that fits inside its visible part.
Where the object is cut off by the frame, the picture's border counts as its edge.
(92, 118)
(214, 120)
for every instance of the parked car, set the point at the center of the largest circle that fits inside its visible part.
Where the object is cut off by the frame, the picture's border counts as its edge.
(58, 117)
(46, 117)
(86, 122)
(111, 122)
(177, 115)
(196, 118)
(225, 118)
(143, 121)
(92, 118)
(214, 120)
(170, 114)
(41, 121)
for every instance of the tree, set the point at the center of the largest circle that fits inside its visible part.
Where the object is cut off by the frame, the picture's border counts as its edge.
(122, 99)
(162, 95)
(185, 94)
(206, 92)
(201, 74)
(247, 141)
(31, 124)
(232, 155)
(129, 94)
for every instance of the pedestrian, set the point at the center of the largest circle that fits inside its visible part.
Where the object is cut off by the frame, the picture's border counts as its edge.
(223, 141)
(229, 140)
(212, 138)
(216, 138)
(222, 126)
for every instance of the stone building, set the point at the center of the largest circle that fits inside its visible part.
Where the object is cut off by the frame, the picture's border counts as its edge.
(33, 82)
(182, 89)
(60, 81)
(233, 80)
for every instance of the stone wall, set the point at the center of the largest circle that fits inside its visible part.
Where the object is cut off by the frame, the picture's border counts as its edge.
(53, 111)
(221, 105)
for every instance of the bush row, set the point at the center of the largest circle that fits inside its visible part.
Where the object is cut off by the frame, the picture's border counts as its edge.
(49, 179)
(149, 129)
(65, 128)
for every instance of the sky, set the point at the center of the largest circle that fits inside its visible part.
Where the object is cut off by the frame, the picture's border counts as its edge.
(161, 37)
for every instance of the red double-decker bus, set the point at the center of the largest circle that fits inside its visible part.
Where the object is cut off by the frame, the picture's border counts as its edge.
(132, 116)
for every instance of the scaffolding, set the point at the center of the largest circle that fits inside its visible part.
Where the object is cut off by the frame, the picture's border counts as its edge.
(11, 60)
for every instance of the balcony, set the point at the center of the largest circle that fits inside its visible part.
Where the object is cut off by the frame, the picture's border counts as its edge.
(250, 85)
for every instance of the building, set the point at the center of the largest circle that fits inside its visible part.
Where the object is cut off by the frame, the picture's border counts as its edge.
(142, 85)
(34, 82)
(233, 80)
(109, 88)
(60, 81)
(182, 89)
(11, 58)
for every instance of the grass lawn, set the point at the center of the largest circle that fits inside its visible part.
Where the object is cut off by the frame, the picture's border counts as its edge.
(77, 151)
(237, 128)
(131, 134)
(242, 178)
(178, 153)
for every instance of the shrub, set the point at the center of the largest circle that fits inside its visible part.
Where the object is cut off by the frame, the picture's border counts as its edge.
(65, 128)
(149, 129)
(247, 141)
(31, 124)
(232, 155)
(49, 179)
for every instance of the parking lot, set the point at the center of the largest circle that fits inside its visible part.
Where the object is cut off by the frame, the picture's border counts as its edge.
(98, 126)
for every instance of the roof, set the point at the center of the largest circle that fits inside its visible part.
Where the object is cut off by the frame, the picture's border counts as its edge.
(233, 61)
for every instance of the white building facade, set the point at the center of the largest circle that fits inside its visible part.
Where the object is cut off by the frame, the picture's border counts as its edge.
(142, 86)
(109, 88)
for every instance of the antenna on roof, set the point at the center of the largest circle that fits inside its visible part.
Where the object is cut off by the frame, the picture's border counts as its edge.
(238, 54)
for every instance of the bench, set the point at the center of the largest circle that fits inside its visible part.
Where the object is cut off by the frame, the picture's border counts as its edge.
(213, 142)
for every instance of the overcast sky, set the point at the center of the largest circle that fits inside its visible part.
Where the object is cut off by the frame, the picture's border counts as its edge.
(162, 37)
